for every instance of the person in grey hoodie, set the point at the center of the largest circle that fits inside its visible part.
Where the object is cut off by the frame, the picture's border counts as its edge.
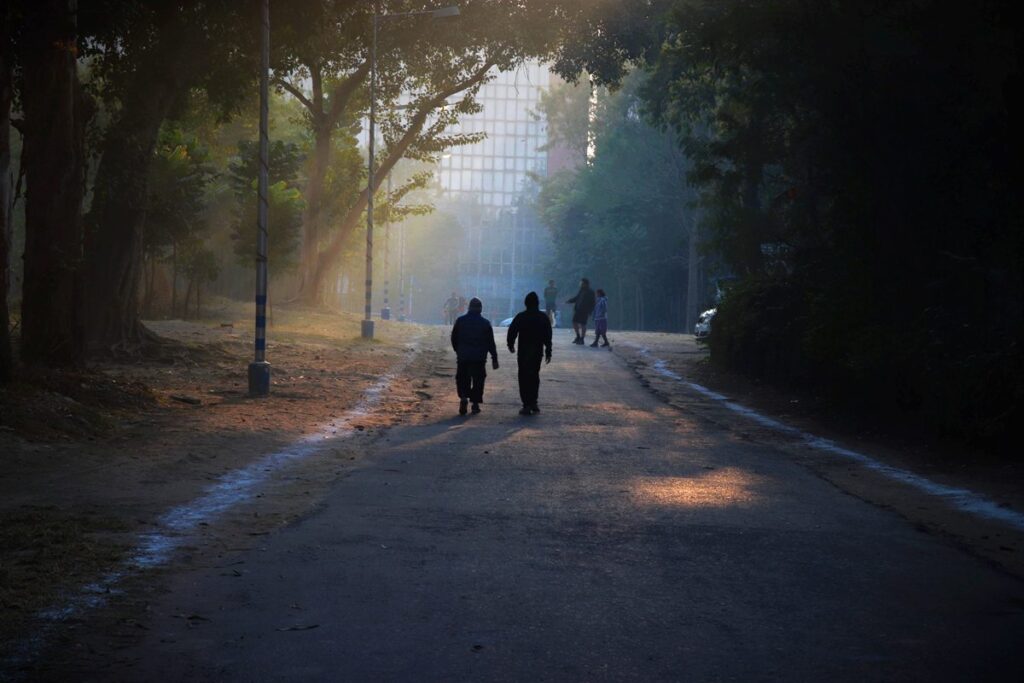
(473, 339)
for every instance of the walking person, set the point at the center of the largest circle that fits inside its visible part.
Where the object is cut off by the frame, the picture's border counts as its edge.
(601, 319)
(533, 331)
(451, 306)
(551, 301)
(583, 306)
(473, 339)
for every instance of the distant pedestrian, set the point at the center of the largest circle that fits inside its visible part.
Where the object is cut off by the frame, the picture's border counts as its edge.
(583, 306)
(473, 339)
(601, 319)
(532, 329)
(462, 305)
(551, 301)
(451, 307)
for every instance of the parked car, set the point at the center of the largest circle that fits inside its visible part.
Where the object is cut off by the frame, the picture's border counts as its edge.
(702, 330)
(558, 319)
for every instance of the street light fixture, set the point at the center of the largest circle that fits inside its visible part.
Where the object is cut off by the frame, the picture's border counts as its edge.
(440, 13)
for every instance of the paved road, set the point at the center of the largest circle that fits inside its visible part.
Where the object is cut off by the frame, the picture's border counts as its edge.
(608, 538)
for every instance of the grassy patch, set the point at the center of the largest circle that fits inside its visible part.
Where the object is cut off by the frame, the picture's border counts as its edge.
(44, 551)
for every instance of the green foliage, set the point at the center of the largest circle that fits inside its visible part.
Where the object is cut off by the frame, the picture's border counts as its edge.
(285, 204)
(625, 219)
(285, 221)
(853, 166)
(284, 163)
(179, 178)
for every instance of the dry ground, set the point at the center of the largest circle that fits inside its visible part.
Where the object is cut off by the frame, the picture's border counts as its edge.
(89, 459)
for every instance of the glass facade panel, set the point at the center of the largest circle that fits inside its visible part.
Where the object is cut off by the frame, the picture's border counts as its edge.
(504, 247)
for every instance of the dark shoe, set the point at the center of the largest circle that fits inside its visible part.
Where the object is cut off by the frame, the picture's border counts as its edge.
(476, 408)
(534, 409)
(608, 345)
(594, 345)
(462, 406)
(524, 411)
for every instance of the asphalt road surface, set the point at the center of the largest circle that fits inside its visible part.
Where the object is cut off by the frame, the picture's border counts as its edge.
(610, 537)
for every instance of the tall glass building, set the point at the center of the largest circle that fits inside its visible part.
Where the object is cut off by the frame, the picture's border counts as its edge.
(488, 186)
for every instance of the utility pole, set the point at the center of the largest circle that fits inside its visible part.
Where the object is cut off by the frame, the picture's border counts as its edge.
(402, 314)
(259, 369)
(367, 325)
(452, 11)
(385, 313)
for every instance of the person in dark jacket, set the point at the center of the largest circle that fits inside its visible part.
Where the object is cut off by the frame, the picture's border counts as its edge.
(473, 339)
(583, 306)
(533, 331)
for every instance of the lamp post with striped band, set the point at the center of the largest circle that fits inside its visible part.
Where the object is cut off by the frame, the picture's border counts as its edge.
(453, 11)
(259, 369)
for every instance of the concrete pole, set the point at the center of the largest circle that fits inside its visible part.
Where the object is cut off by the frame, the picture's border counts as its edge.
(367, 325)
(401, 273)
(259, 369)
(385, 313)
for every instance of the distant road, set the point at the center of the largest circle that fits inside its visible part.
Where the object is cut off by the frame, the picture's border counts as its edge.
(610, 538)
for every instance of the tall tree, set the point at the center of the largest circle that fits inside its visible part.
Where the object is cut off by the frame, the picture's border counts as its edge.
(6, 195)
(148, 55)
(55, 117)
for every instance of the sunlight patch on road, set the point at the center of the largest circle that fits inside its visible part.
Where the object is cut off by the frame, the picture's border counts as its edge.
(963, 499)
(727, 487)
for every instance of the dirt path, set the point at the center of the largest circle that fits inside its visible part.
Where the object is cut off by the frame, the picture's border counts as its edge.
(611, 537)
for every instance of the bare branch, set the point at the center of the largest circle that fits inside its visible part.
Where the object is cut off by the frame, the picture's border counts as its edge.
(296, 93)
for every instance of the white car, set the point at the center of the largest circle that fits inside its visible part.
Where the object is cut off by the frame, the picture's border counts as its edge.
(508, 321)
(702, 330)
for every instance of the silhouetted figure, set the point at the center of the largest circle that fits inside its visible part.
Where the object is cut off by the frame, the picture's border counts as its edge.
(533, 330)
(451, 307)
(551, 301)
(583, 306)
(472, 339)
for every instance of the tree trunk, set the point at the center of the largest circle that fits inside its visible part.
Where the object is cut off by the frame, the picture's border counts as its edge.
(115, 222)
(188, 298)
(322, 128)
(692, 279)
(6, 205)
(147, 299)
(54, 169)
(174, 278)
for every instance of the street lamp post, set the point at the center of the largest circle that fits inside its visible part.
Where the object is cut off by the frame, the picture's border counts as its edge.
(259, 369)
(385, 313)
(367, 324)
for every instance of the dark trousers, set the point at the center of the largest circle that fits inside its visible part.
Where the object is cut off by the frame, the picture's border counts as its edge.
(529, 377)
(469, 380)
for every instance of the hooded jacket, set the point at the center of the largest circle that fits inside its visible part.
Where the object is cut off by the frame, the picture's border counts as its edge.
(532, 328)
(583, 302)
(473, 338)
